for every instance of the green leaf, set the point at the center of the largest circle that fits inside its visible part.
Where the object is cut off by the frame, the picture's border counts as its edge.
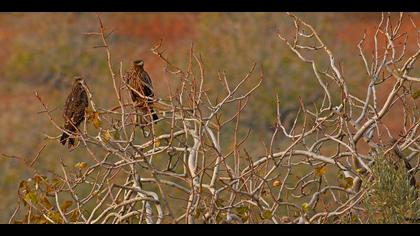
(116, 135)
(241, 210)
(267, 214)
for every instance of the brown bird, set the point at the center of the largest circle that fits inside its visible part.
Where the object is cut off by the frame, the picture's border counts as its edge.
(74, 110)
(141, 89)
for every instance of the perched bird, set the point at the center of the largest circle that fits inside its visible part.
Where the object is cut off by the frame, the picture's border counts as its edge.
(141, 89)
(74, 110)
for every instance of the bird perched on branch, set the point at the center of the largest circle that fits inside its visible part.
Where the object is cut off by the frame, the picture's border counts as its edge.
(74, 110)
(141, 89)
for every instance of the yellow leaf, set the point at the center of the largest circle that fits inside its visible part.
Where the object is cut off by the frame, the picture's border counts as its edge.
(157, 143)
(267, 214)
(107, 135)
(277, 183)
(31, 197)
(80, 165)
(66, 205)
(346, 183)
(55, 216)
(96, 120)
(97, 123)
(305, 207)
(320, 171)
(74, 216)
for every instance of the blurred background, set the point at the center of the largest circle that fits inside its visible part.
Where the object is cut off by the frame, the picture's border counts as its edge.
(43, 51)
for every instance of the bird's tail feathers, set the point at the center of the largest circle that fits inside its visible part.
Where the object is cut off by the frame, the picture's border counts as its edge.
(155, 116)
(71, 142)
(64, 138)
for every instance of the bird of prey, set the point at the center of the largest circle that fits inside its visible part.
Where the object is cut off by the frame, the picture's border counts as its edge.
(74, 111)
(141, 89)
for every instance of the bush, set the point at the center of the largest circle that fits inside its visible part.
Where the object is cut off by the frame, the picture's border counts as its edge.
(391, 198)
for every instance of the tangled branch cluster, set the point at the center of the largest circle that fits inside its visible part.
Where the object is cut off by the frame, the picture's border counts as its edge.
(186, 174)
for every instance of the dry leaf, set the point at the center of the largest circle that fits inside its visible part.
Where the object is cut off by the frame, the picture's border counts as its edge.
(277, 183)
(346, 183)
(96, 120)
(157, 143)
(320, 171)
(416, 94)
(66, 205)
(80, 165)
(107, 135)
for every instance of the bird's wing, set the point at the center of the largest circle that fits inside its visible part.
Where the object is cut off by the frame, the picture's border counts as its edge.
(147, 84)
(69, 105)
(147, 80)
(80, 103)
